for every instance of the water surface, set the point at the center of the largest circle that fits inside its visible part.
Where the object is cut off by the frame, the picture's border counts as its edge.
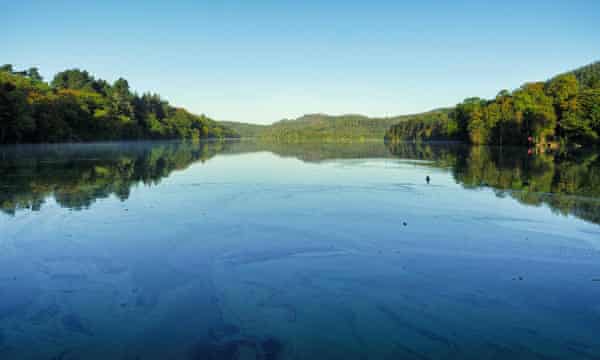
(242, 250)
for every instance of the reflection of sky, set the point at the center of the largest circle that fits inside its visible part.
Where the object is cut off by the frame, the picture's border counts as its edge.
(278, 247)
(378, 184)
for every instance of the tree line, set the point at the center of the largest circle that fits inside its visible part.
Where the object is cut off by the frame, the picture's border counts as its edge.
(76, 106)
(565, 109)
(349, 128)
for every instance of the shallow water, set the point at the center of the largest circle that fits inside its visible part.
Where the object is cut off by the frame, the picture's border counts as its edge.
(297, 251)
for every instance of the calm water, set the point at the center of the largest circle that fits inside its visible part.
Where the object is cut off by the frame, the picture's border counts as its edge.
(313, 251)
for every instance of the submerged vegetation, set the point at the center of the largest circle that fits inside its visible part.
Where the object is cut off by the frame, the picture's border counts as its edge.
(75, 106)
(565, 109)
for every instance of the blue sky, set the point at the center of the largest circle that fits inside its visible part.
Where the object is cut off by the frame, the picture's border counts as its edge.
(260, 61)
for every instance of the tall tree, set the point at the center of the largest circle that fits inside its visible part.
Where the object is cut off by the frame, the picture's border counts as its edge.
(34, 74)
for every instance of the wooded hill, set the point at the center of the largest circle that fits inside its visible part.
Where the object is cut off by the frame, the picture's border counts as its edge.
(328, 127)
(75, 106)
(564, 109)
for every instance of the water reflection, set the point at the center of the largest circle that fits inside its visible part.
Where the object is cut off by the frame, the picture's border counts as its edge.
(569, 183)
(294, 251)
(76, 175)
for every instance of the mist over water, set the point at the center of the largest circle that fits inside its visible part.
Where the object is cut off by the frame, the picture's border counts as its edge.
(246, 250)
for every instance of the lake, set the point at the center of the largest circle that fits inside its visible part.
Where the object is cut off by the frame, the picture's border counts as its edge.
(246, 250)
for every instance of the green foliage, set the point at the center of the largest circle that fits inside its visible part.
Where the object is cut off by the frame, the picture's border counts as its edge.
(561, 110)
(328, 128)
(588, 76)
(34, 74)
(78, 107)
(435, 125)
(244, 129)
(343, 128)
(6, 68)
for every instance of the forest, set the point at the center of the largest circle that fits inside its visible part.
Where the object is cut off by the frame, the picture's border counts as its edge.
(562, 110)
(349, 128)
(77, 107)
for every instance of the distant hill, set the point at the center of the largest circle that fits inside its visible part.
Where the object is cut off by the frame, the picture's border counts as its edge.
(458, 123)
(245, 129)
(348, 127)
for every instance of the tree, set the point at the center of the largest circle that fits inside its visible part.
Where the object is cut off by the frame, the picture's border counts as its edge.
(15, 118)
(78, 80)
(6, 68)
(34, 74)
(78, 107)
(122, 99)
(536, 110)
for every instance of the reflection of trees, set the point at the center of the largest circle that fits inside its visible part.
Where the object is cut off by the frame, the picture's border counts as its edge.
(314, 151)
(77, 175)
(568, 183)
(438, 154)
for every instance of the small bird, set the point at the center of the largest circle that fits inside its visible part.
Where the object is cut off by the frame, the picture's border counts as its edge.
(427, 179)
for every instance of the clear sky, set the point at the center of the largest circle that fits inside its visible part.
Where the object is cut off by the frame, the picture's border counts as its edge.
(260, 61)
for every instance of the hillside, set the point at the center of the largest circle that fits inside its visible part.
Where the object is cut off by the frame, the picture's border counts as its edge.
(588, 76)
(245, 129)
(76, 107)
(562, 110)
(350, 127)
